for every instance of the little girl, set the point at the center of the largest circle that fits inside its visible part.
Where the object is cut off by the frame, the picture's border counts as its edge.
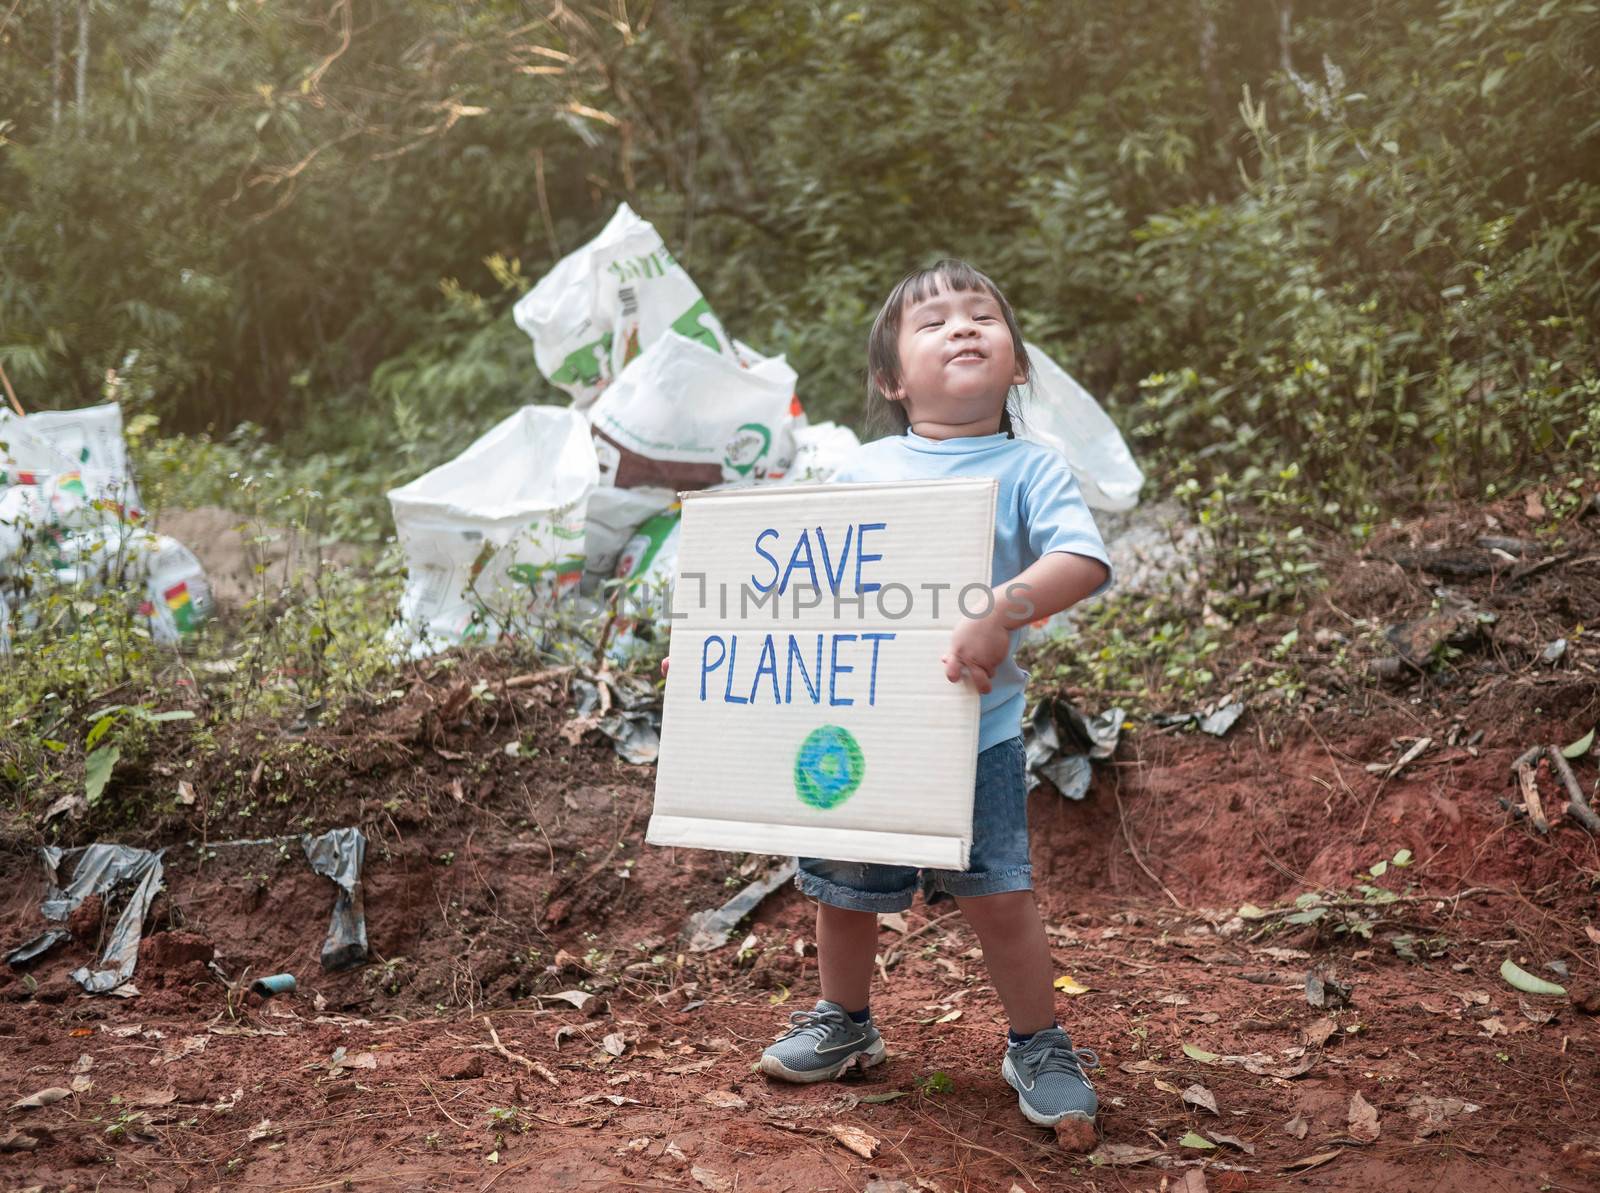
(944, 354)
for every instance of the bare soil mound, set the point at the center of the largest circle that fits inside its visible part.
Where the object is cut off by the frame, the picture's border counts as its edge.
(532, 1017)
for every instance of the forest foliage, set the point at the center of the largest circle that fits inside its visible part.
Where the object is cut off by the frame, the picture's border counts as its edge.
(1356, 238)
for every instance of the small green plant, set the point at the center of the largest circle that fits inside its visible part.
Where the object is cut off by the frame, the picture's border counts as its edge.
(1347, 915)
(937, 1082)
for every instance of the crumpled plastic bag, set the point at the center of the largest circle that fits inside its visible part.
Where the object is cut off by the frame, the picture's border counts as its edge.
(175, 594)
(339, 854)
(684, 417)
(493, 537)
(603, 305)
(1061, 414)
(82, 448)
(99, 869)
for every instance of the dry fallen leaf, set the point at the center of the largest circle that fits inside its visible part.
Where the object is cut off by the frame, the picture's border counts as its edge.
(1364, 1124)
(949, 1016)
(855, 1139)
(43, 1097)
(1193, 1180)
(18, 1141)
(181, 1048)
(1310, 1162)
(263, 1129)
(614, 1043)
(1121, 1155)
(724, 1100)
(1297, 1126)
(1316, 1034)
(1592, 932)
(707, 1179)
(1068, 984)
(1434, 1114)
(1199, 1095)
(1234, 1141)
(578, 998)
(150, 1097)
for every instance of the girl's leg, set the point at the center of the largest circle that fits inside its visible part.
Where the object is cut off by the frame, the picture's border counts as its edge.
(846, 943)
(1016, 953)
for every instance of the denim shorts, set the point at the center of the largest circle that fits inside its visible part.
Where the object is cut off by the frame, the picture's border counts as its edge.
(998, 861)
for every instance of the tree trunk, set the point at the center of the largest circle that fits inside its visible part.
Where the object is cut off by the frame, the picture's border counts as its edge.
(56, 64)
(83, 55)
(1206, 34)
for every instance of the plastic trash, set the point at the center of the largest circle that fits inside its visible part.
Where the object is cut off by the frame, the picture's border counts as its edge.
(84, 446)
(278, 983)
(1062, 414)
(646, 570)
(493, 537)
(25, 954)
(603, 305)
(338, 854)
(175, 596)
(707, 930)
(820, 450)
(615, 516)
(1062, 743)
(99, 869)
(684, 417)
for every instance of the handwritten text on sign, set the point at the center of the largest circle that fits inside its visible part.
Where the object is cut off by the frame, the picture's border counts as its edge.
(806, 704)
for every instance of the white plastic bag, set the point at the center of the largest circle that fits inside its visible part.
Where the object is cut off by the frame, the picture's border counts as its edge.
(85, 446)
(684, 417)
(614, 516)
(1063, 415)
(174, 594)
(647, 568)
(495, 535)
(604, 304)
(819, 451)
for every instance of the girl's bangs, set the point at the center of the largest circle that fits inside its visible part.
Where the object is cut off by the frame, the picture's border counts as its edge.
(955, 276)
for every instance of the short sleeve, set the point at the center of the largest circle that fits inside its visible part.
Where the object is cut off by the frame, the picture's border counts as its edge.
(1057, 518)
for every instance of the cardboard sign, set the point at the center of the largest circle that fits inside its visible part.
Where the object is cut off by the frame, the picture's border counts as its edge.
(807, 711)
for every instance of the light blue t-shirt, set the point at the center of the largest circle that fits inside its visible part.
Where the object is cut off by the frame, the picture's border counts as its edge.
(1039, 510)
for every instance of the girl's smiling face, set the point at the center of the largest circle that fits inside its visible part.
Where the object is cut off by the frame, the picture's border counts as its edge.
(957, 363)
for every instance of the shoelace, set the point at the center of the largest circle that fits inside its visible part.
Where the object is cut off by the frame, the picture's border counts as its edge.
(821, 1022)
(1050, 1055)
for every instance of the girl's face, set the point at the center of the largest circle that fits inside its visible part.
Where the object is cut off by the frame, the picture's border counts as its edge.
(957, 361)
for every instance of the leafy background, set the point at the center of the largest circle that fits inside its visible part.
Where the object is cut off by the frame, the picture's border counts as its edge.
(1359, 239)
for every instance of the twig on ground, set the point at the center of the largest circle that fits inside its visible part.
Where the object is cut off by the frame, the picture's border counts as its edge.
(1577, 807)
(893, 954)
(1122, 817)
(532, 1066)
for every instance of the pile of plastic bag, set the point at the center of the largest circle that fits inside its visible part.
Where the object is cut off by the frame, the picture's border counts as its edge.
(580, 501)
(70, 522)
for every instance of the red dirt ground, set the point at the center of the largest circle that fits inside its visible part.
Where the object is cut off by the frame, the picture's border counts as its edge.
(493, 882)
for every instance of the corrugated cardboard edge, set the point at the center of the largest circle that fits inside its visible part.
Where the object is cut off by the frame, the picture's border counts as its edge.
(844, 845)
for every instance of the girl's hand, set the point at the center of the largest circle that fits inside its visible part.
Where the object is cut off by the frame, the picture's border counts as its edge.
(978, 646)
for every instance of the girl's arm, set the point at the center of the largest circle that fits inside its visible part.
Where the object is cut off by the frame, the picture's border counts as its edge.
(1055, 582)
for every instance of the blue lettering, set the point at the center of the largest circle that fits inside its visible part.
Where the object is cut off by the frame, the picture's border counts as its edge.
(872, 686)
(834, 669)
(707, 669)
(733, 659)
(768, 586)
(768, 664)
(796, 656)
(794, 561)
(862, 557)
(844, 557)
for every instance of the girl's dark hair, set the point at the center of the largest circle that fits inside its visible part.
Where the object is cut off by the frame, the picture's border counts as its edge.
(883, 344)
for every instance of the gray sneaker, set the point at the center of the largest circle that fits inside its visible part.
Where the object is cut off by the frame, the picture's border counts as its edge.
(1048, 1074)
(820, 1045)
